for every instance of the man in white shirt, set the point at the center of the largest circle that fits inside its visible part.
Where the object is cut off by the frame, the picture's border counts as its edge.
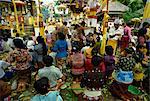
(115, 33)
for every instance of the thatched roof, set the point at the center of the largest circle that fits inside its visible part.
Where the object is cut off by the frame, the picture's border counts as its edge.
(116, 7)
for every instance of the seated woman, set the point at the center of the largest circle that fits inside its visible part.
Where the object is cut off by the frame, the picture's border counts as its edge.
(77, 62)
(43, 94)
(123, 75)
(93, 81)
(19, 58)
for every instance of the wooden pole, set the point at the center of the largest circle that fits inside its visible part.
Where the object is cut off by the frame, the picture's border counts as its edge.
(107, 6)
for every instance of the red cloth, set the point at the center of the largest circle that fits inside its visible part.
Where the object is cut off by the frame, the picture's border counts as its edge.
(92, 17)
(124, 42)
(89, 66)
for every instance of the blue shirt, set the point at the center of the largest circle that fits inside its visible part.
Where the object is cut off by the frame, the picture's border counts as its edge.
(61, 48)
(51, 96)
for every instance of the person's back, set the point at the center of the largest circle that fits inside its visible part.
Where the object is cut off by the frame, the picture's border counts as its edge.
(51, 72)
(61, 46)
(19, 56)
(93, 78)
(142, 32)
(43, 94)
(51, 96)
(38, 48)
(77, 61)
(93, 81)
(109, 60)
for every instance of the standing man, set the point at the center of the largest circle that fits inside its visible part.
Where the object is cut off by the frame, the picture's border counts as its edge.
(115, 34)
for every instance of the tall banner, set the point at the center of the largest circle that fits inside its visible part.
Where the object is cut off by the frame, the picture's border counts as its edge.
(104, 32)
(104, 26)
(147, 10)
(146, 15)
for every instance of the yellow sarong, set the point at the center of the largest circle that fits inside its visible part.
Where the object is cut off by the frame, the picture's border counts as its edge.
(113, 43)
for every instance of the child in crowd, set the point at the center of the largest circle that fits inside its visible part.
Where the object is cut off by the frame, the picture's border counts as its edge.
(61, 48)
(109, 60)
(50, 71)
(43, 94)
(40, 50)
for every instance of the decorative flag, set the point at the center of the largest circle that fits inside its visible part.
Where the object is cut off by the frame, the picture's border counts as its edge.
(147, 10)
(104, 32)
(103, 3)
(146, 15)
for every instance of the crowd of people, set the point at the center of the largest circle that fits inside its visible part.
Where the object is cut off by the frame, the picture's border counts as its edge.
(69, 51)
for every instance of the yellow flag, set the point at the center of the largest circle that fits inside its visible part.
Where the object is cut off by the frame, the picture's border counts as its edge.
(104, 32)
(77, 4)
(147, 10)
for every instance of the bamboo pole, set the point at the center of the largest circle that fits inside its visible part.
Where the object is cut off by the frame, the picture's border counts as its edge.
(16, 16)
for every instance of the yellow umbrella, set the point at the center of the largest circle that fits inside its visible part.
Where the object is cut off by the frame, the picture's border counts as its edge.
(136, 20)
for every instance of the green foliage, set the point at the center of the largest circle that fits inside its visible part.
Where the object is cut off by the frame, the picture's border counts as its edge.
(128, 15)
(134, 6)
